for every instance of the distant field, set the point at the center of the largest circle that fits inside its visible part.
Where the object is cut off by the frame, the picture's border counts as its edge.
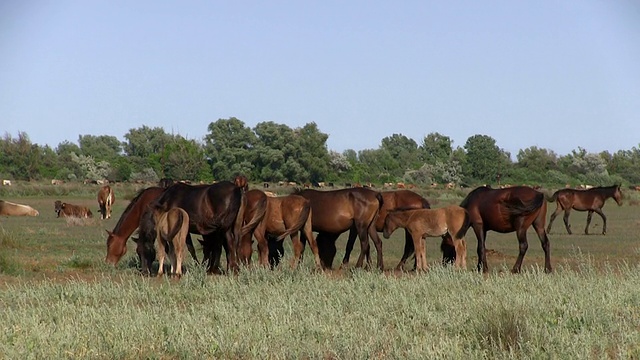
(65, 302)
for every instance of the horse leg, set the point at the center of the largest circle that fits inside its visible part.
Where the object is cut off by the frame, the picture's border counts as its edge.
(160, 254)
(523, 245)
(460, 246)
(448, 250)
(297, 249)
(306, 234)
(192, 250)
(565, 218)
(586, 228)
(378, 244)
(481, 235)
(553, 217)
(246, 244)
(350, 242)
(538, 225)
(418, 245)
(604, 220)
(263, 246)
(364, 244)
(408, 250)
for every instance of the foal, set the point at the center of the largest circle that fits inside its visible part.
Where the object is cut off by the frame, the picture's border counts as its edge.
(172, 228)
(451, 222)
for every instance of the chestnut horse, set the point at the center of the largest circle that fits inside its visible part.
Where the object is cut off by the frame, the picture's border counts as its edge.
(506, 210)
(253, 215)
(452, 220)
(393, 200)
(591, 200)
(286, 216)
(337, 211)
(215, 211)
(172, 229)
(129, 222)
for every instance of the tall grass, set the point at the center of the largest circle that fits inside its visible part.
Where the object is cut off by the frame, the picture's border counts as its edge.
(287, 314)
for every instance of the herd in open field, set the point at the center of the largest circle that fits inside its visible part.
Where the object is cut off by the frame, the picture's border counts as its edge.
(229, 217)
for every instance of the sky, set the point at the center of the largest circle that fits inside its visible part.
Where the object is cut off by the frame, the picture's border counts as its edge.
(559, 75)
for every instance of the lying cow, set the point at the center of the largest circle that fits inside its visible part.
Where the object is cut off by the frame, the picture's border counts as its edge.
(11, 209)
(69, 210)
(106, 199)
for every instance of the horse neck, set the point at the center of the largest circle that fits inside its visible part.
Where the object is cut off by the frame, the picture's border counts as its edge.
(128, 222)
(402, 217)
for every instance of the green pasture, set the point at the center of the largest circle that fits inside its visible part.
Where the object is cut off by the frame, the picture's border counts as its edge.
(62, 301)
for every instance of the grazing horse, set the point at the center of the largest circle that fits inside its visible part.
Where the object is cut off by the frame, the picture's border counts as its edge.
(172, 228)
(337, 211)
(451, 220)
(591, 200)
(393, 200)
(215, 211)
(507, 210)
(106, 199)
(253, 215)
(129, 222)
(286, 216)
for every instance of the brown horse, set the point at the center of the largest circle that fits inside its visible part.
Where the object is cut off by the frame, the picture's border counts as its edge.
(451, 220)
(106, 199)
(129, 222)
(172, 228)
(392, 200)
(215, 211)
(286, 216)
(507, 210)
(337, 211)
(591, 200)
(253, 215)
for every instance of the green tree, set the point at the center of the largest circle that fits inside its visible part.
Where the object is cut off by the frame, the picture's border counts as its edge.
(20, 158)
(102, 147)
(436, 148)
(485, 161)
(229, 147)
(184, 159)
(403, 152)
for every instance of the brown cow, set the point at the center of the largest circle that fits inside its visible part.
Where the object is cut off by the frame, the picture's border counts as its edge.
(12, 209)
(69, 210)
(106, 199)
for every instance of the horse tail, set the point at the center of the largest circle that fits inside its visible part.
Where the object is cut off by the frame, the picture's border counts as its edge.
(465, 225)
(167, 237)
(521, 208)
(257, 217)
(381, 201)
(302, 219)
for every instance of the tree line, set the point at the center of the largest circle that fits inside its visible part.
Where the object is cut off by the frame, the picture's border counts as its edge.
(272, 152)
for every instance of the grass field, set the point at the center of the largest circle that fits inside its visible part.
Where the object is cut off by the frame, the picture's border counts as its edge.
(62, 301)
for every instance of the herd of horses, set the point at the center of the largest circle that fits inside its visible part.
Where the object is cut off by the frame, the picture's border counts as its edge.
(228, 216)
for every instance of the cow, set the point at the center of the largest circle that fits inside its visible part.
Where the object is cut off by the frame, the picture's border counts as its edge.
(69, 210)
(57, 182)
(106, 199)
(6, 182)
(12, 209)
(165, 182)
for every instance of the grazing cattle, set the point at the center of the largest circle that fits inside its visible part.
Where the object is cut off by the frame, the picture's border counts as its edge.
(215, 211)
(321, 184)
(400, 185)
(307, 185)
(591, 200)
(450, 186)
(292, 183)
(57, 182)
(172, 228)
(12, 209)
(452, 221)
(331, 185)
(286, 216)
(69, 210)
(506, 210)
(265, 185)
(347, 185)
(433, 185)
(6, 182)
(106, 199)
(337, 211)
(387, 185)
(269, 193)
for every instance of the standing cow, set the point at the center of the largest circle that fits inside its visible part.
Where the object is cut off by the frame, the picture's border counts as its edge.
(106, 199)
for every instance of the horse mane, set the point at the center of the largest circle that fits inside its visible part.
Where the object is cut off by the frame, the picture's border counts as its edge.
(473, 194)
(127, 210)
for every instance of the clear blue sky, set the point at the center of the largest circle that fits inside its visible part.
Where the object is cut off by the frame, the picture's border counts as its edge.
(553, 74)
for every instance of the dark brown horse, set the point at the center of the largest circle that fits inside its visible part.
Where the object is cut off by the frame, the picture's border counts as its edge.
(129, 222)
(337, 211)
(253, 215)
(215, 211)
(507, 210)
(392, 200)
(286, 216)
(591, 200)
